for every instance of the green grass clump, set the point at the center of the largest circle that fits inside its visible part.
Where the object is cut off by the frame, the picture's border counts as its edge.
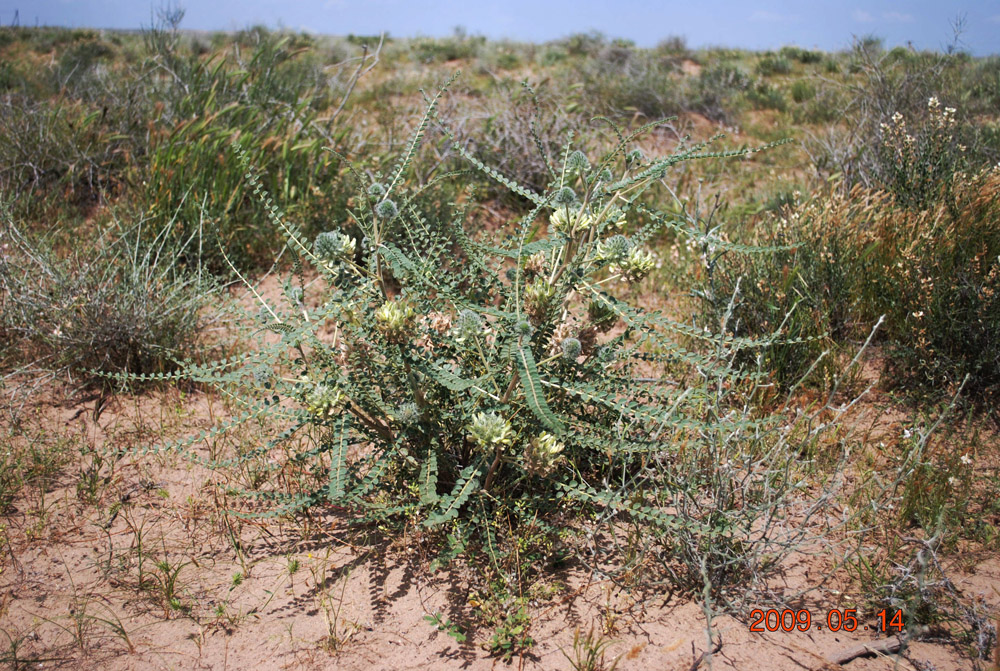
(773, 65)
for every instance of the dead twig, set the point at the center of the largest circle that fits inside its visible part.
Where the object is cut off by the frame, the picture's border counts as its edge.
(885, 646)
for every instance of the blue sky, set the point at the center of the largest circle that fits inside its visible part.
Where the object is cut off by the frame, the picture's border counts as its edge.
(757, 25)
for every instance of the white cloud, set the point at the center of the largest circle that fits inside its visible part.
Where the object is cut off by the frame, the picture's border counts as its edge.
(862, 16)
(897, 17)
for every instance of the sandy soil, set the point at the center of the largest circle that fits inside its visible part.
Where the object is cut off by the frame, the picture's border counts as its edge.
(154, 574)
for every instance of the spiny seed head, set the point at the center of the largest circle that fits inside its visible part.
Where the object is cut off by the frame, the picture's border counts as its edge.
(468, 325)
(489, 430)
(570, 348)
(524, 328)
(564, 196)
(614, 249)
(386, 209)
(334, 246)
(606, 175)
(376, 190)
(577, 162)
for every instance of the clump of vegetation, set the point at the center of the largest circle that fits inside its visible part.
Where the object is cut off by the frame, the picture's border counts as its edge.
(932, 273)
(519, 395)
(773, 65)
(120, 306)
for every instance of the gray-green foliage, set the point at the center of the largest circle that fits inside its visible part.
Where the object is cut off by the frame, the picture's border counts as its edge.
(120, 306)
(456, 381)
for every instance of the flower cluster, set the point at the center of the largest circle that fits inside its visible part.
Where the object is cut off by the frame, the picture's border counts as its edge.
(543, 454)
(489, 430)
(334, 246)
(394, 319)
(636, 265)
(570, 222)
(323, 400)
(538, 296)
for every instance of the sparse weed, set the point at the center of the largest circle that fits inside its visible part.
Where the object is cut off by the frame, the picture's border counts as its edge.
(589, 651)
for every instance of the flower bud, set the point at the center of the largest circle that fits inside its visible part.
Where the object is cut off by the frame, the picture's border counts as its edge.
(571, 348)
(386, 210)
(577, 162)
(334, 246)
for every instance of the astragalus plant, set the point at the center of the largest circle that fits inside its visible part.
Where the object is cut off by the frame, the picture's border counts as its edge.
(484, 387)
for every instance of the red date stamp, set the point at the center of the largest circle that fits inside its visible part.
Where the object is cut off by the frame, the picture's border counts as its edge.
(835, 619)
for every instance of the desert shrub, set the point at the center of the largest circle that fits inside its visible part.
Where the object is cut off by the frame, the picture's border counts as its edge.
(584, 44)
(53, 153)
(516, 391)
(458, 46)
(803, 91)
(763, 95)
(936, 274)
(823, 106)
(773, 65)
(716, 88)
(938, 499)
(118, 306)
(76, 62)
(674, 47)
(932, 273)
(620, 79)
(269, 102)
(984, 88)
(919, 165)
(506, 55)
(520, 133)
(794, 290)
(890, 90)
(553, 54)
(805, 56)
